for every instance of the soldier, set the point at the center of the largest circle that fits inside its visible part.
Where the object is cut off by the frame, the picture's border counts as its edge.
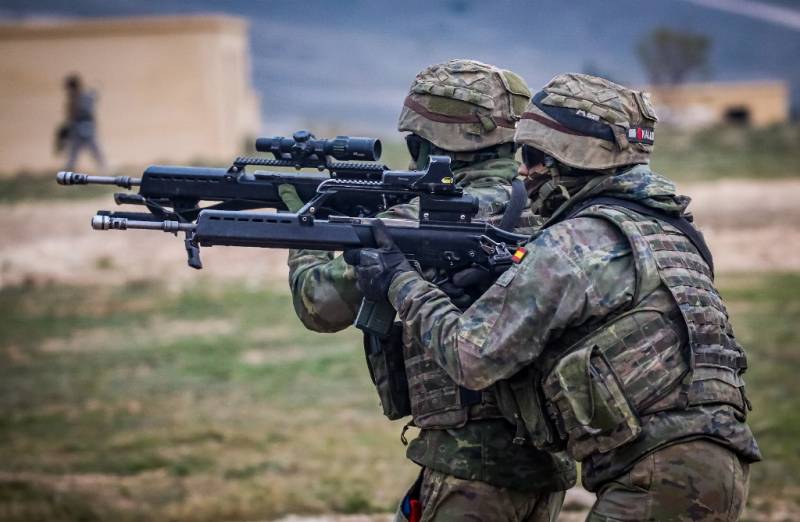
(80, 130)
(471, 469)
(608, 338)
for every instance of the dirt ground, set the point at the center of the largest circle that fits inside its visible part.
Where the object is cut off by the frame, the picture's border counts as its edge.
(750, 226)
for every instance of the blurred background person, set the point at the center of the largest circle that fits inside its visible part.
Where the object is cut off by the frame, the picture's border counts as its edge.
(79, 131)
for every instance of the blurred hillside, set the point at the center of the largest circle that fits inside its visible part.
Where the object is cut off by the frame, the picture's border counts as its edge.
(350, 62)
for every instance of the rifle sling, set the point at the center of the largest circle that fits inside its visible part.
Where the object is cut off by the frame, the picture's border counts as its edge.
(516, 205)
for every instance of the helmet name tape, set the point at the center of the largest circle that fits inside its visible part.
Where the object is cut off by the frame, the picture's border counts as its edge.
(646, 135)
(583, 113)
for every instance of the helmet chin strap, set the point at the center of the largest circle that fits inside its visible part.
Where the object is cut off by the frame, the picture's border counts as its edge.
(550, 193)
(561, 184)
(422, 158)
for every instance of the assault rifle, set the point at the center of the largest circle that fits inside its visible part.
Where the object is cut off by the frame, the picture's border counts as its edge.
(174, 193)
(444, 237)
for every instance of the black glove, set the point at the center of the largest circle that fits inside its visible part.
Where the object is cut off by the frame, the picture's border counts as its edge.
(466, 286)
(377, 267)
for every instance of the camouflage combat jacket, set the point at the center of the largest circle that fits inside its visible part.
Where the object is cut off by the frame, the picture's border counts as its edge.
(470, 441)
(613, 321)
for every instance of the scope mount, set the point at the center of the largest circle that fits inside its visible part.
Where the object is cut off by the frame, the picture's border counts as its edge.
(335, 168)
(440, 199)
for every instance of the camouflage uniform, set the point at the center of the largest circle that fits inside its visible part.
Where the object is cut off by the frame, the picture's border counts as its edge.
(449, 498)
(609, 337)
(326, 299)
(465, 445)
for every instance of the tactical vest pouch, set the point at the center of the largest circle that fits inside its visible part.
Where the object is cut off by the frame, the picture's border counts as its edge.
(594, 414)
(713, 385)
(436, 401)
(520, 400)
(388, 373)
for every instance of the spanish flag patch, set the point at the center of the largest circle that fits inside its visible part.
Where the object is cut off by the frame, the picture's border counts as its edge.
(519, 255)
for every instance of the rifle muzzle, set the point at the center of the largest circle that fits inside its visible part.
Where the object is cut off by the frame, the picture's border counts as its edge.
(76, 178)
(101, 222)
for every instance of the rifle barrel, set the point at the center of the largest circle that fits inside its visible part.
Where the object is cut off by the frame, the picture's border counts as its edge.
(76, 178)
(102, 222)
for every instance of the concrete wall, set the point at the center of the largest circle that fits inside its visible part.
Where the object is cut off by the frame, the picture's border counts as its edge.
(170, 89)
(704, 104)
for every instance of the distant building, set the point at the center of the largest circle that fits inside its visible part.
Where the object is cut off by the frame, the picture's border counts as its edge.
(170, 89)
(704, 104)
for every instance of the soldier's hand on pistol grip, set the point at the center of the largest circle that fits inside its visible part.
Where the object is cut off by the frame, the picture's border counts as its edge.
(466, 286)
(376, 268)
(290, 198)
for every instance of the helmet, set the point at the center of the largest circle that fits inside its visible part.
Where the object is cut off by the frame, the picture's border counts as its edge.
(589, 123)
(464, 105)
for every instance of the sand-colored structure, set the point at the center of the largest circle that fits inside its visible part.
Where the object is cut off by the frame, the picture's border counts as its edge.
(170, 89)
(704, 104)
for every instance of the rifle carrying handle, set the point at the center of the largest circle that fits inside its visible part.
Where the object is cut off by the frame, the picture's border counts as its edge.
(375, 317)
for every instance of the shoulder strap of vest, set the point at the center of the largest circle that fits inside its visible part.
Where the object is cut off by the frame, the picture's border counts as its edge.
(679, 222)
(517, 203)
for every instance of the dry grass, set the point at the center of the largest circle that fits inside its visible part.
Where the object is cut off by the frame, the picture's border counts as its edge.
(185, 406)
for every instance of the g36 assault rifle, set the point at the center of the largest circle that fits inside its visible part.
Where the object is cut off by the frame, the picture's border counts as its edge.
(174, 193)
(444, 237)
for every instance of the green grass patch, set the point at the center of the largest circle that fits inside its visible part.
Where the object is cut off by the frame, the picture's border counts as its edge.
(158, 396)
(766, 315)
(728, 152)
(215, 403)
(22, 501)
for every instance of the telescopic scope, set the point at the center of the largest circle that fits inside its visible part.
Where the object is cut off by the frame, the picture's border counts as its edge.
(303, 144)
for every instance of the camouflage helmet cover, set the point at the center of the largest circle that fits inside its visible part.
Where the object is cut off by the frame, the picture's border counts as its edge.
(589, 123)
(464, 105)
